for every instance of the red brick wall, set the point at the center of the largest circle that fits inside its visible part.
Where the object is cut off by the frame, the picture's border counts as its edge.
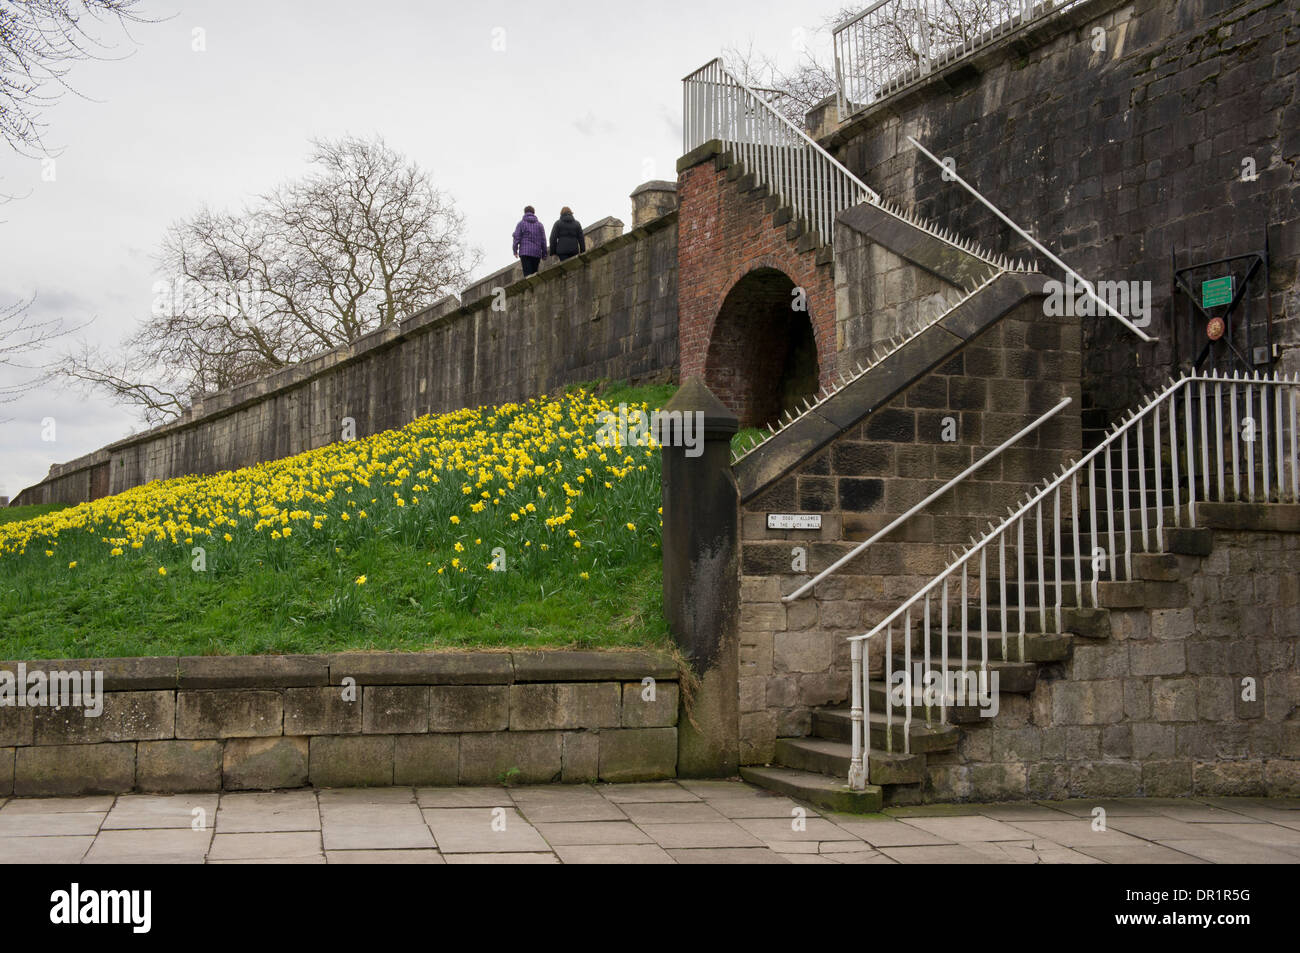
(723, 235)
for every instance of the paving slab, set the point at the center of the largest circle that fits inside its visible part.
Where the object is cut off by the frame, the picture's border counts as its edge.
(1159, 827)
(783, 829)
(1271, 834)
(964, 829)
(727, 855)
(373, 827)
(49, 825)
(384, 857)
(265, 845)
(140, 811)
(44, 850)
(858, 857)
(728, 790)
(1114, 807)
(591, 833)
(1076, 833)
(614, 854)
(672, 812)
(1234, 851)
(770, 806)
(483, 830)
(272, 811)
(463, 797)
(709, 834)
(1203, 814)
(1142, 852)
(939, 854)
(808, 859)
(297, 859)
(646, 792)
(547, 804)
(59, 805)
(517, 857)
(885, 832)
(1027, 811)
(159, 846)
(400, 795)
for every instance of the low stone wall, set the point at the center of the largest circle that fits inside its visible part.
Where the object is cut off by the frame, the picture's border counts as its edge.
(355, 719)
(1162, 707)
(610, 313)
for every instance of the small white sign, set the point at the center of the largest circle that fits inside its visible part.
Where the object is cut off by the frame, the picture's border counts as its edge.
(794, 521)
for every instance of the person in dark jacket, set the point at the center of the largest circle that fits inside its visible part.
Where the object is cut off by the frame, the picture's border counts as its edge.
(566, 236)
(530, 241)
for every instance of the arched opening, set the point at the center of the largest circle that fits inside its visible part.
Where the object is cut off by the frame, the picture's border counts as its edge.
(762, 356)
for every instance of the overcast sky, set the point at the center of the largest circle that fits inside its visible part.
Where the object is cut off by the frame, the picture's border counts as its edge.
(581, 105)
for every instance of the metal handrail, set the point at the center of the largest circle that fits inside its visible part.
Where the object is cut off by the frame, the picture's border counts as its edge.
(899, 521)
(1085, 285)
(894, 43)
(1269, 472)
(781, 156)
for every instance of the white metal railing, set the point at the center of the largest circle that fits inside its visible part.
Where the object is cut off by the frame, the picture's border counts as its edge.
(716, 105)
(1178, 449)
(895, 42)
(899, 521)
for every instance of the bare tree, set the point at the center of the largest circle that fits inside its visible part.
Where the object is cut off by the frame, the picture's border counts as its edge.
(39, 41)
(363, 240)
(22, 338)
(900, 39)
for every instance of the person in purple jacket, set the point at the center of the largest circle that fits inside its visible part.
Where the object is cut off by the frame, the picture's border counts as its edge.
(530, 241)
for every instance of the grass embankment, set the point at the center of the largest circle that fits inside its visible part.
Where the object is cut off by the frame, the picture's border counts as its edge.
(385, 542)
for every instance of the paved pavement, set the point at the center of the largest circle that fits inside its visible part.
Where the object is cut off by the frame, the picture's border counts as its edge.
(660, 823)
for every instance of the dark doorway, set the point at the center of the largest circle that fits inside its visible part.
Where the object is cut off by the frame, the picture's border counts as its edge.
(762, 355)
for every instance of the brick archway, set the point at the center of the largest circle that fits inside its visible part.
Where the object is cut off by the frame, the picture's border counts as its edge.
(763, 355)
(728, 230)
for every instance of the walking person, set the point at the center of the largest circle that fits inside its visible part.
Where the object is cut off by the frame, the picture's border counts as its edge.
(566, 236)
(530, 241)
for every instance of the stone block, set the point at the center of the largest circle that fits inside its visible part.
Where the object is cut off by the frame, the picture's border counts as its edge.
(1105, 779)
(17, 725)
(1167, 778)
(1158, 658)
(228, 713)
(555, 705)
(496, 757)
(6, 771)
(72, 770)
(457, 708)
(259, 764)
(1173, 699)
(431, 760)
(322, 711)
(999, 782)
(1281, 778)
(638, 754)
(351, 761)
(253, 671)
(559, 666)
(801, 651)
(1228, 778)
(1087, 703)
(1169, 624)
(126, 716)
(659, 711)
(175, 767)
(1048, 780)
(395, 709)
(1152, 742)
(580, 756)
(422, 668)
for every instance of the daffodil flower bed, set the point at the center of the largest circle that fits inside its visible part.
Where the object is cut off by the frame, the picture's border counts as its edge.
(522, 524)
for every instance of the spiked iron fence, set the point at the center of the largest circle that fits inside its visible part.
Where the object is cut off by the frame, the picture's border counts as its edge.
(1177, 449)
(893, 43)
(716, 105)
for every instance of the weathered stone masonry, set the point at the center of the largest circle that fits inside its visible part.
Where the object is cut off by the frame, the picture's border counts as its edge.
(261, 722)
(608, 314)
(1114, 158)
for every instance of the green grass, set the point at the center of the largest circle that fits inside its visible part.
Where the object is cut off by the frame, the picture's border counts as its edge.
(15, 514)
(300, 596)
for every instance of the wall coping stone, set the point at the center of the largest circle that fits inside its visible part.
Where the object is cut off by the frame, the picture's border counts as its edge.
(148, 673)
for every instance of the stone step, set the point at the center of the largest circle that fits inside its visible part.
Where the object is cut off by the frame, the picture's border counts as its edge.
(1018, 678)
(832, 758)
(831, 794)
(835, 724)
